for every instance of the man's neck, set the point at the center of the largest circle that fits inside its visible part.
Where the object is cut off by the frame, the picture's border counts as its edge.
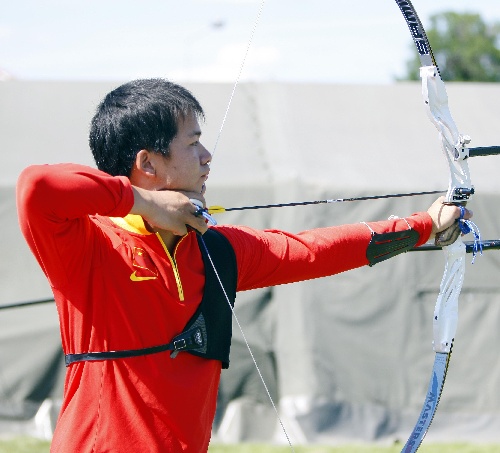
(169, 239)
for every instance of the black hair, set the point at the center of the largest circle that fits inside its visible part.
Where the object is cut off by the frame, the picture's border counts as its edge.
(142, 114)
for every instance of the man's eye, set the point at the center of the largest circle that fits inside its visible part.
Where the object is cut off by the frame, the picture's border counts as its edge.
(196, 143)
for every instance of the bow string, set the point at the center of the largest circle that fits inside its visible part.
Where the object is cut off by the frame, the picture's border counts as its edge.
(207, 214)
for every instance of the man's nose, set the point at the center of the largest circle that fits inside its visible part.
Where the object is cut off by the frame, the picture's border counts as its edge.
(206, 156)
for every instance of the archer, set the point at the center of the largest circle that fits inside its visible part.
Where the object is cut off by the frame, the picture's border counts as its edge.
(145, 326)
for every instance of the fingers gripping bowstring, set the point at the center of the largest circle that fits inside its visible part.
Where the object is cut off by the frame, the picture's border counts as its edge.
(237, 81)
(256, 22)
(248, 346)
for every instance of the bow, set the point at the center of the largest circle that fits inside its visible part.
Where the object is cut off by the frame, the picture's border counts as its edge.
(454, 147)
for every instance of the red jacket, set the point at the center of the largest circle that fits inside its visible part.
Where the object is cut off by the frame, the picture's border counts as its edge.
(117, 287)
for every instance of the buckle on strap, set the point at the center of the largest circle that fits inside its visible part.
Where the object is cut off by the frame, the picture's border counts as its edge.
(190, 339)
(180, 344)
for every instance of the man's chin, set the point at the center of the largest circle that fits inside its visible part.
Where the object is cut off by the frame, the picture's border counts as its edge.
(201, 192)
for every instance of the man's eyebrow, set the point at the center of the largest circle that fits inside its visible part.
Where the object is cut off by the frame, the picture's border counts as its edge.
(195, 133)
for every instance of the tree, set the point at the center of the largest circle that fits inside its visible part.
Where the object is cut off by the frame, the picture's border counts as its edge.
(465, 47)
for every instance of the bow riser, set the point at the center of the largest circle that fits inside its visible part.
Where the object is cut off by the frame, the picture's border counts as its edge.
(453, 144)
(446, 309)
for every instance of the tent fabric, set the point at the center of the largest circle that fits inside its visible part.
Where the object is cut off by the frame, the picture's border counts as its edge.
(345, 358)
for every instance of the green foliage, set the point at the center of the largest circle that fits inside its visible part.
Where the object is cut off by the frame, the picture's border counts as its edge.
(466, 49)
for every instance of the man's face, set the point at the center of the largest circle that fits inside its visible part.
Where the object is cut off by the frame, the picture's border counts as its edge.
(187, 166)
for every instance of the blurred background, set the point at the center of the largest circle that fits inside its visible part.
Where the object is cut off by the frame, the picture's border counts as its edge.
(205, 40)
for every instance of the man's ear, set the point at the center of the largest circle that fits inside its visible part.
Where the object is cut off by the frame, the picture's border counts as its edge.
(145, 163)
(143, 170)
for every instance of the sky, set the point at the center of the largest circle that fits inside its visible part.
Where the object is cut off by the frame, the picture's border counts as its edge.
(313, 41)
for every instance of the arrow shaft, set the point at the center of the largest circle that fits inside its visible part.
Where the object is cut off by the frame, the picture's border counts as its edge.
(335, 200)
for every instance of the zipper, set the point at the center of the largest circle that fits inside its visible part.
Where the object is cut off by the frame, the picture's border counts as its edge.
(174, 266)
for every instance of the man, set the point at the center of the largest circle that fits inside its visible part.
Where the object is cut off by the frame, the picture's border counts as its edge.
(121, 249)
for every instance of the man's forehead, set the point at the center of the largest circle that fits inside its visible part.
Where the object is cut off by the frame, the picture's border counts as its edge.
(189, 125)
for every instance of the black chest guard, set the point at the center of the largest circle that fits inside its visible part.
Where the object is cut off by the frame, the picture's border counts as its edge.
(214, 314)
(208, 333)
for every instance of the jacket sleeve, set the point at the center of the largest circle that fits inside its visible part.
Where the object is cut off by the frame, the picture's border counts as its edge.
(54, 203)
(272, 257)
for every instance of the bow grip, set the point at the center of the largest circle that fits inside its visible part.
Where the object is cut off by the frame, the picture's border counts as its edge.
(450, 235)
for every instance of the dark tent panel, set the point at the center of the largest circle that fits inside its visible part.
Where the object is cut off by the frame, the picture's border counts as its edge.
(346, 358)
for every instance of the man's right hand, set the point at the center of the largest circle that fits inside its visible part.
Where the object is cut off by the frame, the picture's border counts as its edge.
(168, 210)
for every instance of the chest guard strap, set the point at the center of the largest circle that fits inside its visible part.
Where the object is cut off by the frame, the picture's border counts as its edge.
(208, 333)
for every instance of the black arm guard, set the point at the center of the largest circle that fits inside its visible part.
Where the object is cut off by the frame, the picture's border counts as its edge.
(386, 245)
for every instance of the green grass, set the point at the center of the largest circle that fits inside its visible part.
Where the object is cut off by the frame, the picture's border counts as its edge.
(367, 448)
(24, 445)
(29, 445)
